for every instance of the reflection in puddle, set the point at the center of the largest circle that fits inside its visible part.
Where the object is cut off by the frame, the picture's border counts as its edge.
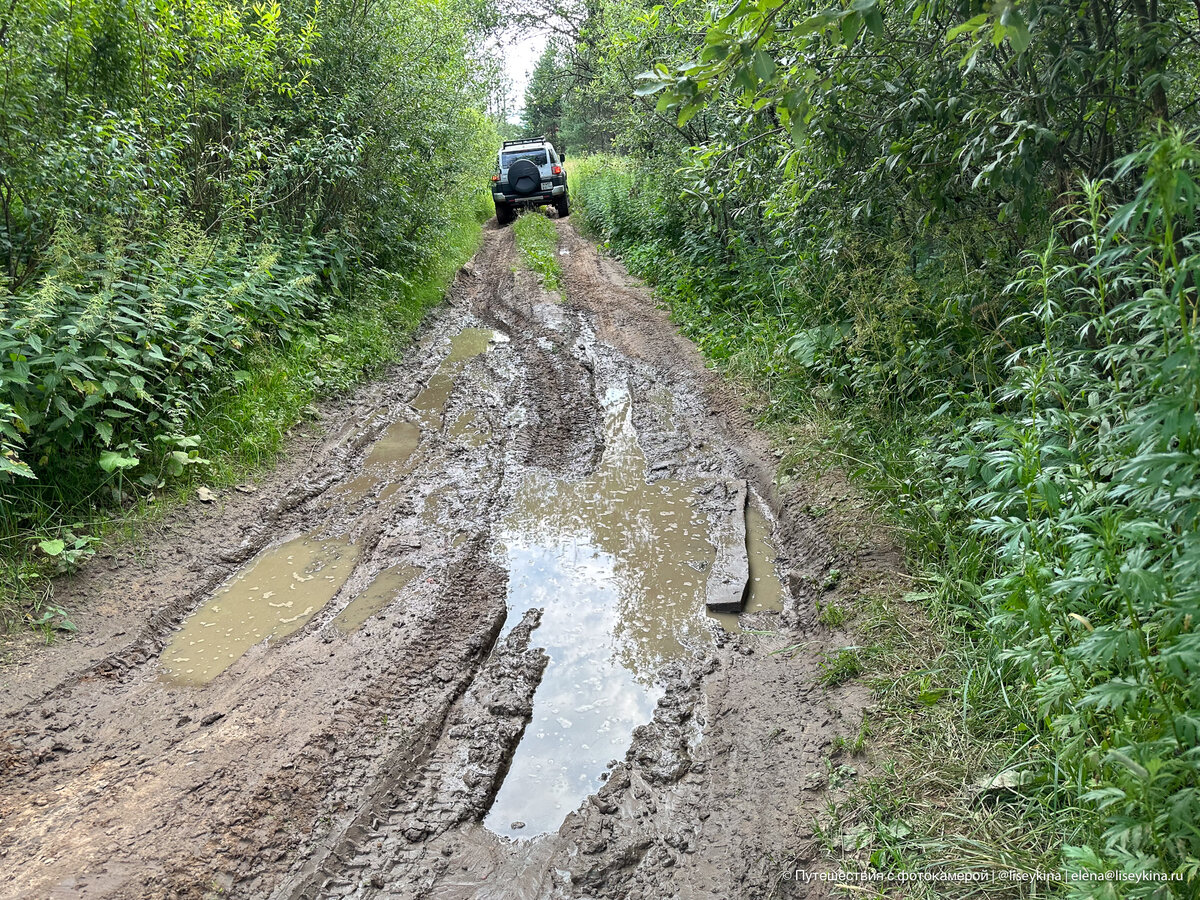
(619, 566)
(378, 594)
(272, 597)
(766, 590)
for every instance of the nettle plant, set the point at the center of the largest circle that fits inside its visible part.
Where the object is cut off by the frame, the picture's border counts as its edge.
(1085, 482)
(122, 344)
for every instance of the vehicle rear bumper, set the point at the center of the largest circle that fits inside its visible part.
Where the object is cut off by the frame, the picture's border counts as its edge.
(537, 198)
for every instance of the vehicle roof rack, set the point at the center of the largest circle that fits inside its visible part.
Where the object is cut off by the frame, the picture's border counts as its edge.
(530, 140)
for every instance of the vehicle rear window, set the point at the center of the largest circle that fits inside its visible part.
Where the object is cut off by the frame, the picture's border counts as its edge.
(537, 157)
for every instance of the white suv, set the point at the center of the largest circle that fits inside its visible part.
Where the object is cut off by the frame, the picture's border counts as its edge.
(529, 173)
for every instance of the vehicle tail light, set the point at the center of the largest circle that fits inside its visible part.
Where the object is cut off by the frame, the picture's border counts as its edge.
(495, 178)
(558, 170)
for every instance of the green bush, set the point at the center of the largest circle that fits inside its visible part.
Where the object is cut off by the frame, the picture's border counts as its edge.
(1083, 482)
(123, 343)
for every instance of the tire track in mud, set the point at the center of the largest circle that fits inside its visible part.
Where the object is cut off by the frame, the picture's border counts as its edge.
(361, 763)
(566, 419)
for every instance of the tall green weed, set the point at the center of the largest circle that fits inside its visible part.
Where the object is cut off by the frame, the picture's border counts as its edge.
(121, 342)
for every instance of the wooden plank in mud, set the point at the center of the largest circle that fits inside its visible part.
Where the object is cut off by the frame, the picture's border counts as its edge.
(729, 580)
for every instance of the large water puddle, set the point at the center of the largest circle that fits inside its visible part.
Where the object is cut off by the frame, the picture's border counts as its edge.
(272, 597)
(620, 567)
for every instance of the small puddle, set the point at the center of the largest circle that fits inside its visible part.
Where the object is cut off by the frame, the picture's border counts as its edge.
(619, 566)
(387, 461)
(273, 596)
(430, 404)
(378, 594)
(466, 430)
(395, 446)
(664, 401)
(766, 590)
(391, 455)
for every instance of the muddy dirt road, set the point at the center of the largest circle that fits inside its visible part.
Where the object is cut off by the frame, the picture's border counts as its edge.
(455, 646)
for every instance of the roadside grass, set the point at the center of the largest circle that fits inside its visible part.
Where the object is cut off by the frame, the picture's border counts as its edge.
(242, 429)
(940, 725)
(537, 239)
(936, 794)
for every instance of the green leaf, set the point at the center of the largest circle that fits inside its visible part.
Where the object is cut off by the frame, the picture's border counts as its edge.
(874, 20)
(764, 66)
(651, 83)
(1015, 29)
(110, 461)
(851, 26)
(10, 465)
(52, 547)
(967, 27)
(687, 113)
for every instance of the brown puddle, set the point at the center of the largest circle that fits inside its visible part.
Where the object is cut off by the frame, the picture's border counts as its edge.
(395, 445)
(391, 455)
(432, 400)
(766, 590)
(378, 594)
(430, 404)
(466, 430)
(386, 463)
(273, 596)
(619, 566)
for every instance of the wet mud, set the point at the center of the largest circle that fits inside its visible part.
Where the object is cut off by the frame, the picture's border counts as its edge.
(456, 644)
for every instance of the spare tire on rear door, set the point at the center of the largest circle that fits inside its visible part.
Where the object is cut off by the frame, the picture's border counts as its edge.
(524, 177)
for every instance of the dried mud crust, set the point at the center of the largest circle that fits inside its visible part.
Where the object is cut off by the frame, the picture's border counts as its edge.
(361, 763)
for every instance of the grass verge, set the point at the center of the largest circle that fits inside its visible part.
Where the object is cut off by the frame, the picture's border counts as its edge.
(56, 529)
(537, 239)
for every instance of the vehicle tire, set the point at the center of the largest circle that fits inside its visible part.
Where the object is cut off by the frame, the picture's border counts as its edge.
(504, 214)
(524, 177)
(563, 205)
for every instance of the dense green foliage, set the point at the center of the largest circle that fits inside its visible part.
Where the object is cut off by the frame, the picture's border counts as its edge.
(187, 189)
(964, 239)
